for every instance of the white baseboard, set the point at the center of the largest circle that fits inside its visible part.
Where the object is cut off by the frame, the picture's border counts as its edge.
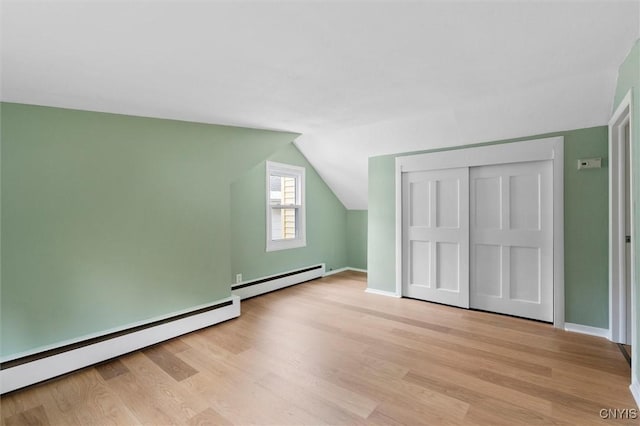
(382, 292)
(335, 271)
(586, 329)
(48, 367)
(276, 282)
(635, 391)
(346, 268)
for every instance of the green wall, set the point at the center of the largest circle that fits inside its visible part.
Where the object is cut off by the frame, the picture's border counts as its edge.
(325, 215)
(585, 221)
(629, 78)
(586, 207)
(381, 242)
(357, 239)
(110, 219)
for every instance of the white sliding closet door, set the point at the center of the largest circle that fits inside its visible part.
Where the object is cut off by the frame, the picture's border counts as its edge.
(511, 239)
(436, 236)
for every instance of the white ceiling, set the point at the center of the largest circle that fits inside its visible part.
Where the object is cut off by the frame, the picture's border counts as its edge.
(356, 79)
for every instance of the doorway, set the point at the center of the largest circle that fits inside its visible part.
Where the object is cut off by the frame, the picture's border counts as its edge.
(621, 238)
(455, 242)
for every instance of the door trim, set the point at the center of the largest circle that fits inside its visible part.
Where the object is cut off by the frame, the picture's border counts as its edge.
(513, 152)
(617, 261)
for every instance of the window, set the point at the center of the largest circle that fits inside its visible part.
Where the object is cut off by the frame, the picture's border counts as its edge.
(285, 207)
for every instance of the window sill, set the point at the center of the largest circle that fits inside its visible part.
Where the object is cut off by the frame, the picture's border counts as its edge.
(285, 244)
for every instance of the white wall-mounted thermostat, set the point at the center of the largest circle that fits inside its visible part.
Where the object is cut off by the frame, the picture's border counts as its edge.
(590, 163)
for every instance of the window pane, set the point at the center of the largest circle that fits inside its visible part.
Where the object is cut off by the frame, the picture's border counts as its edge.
(283, 224)
(288, 190)
(276, 224)
(275, 190)
(282, 190)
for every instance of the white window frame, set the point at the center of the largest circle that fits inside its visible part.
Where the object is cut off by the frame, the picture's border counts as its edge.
(281, 169)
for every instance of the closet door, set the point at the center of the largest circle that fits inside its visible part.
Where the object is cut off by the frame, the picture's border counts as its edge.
(511, 239)
(436, 236)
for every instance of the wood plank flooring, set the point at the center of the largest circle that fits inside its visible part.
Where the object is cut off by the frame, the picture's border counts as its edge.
(326, 352)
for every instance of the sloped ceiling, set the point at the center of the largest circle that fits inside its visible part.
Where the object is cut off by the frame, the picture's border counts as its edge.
(356, 79)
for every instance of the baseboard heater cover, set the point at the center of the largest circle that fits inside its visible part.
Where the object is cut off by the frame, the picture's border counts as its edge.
(38, 367)
(276, 282)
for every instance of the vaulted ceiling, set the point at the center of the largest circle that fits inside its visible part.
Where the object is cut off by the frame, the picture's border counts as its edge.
(356, 79)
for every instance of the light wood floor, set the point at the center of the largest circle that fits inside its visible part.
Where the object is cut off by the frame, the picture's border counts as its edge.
(325, 352)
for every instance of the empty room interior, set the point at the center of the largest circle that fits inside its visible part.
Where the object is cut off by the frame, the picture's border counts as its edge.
(307, 212)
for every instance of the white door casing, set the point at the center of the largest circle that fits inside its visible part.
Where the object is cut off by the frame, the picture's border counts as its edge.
(622, 287)
(436, 236)
(511, 239)
(628, 231)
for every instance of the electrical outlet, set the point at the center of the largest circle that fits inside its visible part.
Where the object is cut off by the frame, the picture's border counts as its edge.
(238, 278)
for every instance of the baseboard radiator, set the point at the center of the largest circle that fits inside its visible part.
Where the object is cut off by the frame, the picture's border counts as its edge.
(264, 285)
(46, 364)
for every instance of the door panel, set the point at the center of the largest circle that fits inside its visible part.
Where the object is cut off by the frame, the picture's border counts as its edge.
(487, 209)
(511, 239)
(448, 266)
(436, 236)
(524, 202)
(448, 203)
(524, 277)
(420, 194)
(421, 270)
(487, 266)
